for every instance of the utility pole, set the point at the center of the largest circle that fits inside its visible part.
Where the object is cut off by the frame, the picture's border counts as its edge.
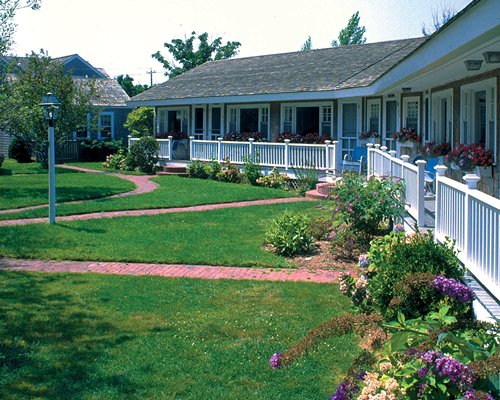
(151, 72)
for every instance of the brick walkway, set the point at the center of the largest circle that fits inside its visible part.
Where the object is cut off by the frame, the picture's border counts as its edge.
(172, 270)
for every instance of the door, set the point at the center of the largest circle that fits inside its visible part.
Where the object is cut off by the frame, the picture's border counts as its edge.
(390, 125)
(349, 129)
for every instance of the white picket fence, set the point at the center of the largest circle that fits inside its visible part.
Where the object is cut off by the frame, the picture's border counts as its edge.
(165, 146)
(472, 219)
(462, 213)
(283, 155)
(383, 163)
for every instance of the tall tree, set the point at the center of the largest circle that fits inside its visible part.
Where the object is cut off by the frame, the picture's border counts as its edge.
(8, 10)
(352, 33)
(183, 53)
(21, 92)
(127, 83)
(307, 44)
(140, 122)
(439, 18)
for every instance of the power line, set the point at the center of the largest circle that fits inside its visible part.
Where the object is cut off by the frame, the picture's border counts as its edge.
(150, 73)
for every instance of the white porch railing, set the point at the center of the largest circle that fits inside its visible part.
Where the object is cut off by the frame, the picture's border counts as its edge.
(165, 146)
(383, 163)
(283, 155)
(472, 219)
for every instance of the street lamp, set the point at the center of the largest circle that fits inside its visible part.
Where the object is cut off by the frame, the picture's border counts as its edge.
(51, 105)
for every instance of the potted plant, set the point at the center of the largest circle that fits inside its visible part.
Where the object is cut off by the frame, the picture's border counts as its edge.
(406, 135)
(368, 137)
(468, 157)
(431, 150)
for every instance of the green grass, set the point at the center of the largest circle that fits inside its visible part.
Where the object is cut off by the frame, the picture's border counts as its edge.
(69, 336)
(24, 185)
(173, 192)
(231, 236)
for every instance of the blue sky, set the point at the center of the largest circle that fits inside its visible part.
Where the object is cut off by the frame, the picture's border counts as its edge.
(121, 35)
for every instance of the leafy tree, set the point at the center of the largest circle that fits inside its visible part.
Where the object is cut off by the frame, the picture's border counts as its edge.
(8, 10)
(352, 33)
(307, 44)
(21, 114)
(439, 18)
(183, 53)
(127, 83)
(140, 122)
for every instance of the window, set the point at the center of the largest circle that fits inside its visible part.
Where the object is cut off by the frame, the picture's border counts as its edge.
(215, 122)
(391, 122)
(105, 126)
(303, 118)
(478, 113)
(172, 120)
(442, 120)
(411, 117)
(249, 118)
(373, 115)
(199, 122)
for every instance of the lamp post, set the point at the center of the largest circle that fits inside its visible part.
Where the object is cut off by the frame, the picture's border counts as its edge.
(51, 105)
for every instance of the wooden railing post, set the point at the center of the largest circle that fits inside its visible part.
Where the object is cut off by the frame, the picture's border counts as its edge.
(392, 153)
(219, 149)
(471, 181)
(334, 153)
(287, 153)
(170, 142)
(440, 172)
(327, 154)
(191, 147)
(250, 150)
(421, 192)
(369, 162)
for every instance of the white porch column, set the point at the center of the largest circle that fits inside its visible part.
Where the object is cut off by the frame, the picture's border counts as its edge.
(219, 149)
(250, 149)
(327, 154)
(369, 161)
(287, 153)
(191, 147)
(169, 155)
(392, 153)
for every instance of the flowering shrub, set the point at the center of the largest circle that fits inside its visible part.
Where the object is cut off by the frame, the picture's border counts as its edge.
(368, 135)
(431, 149)
(143, 155)
(244, 136)
(116, 161)
(468, 156)
(229, 172)
(406, 135)
(453, 289)
(274, 180)
(289, 234)
(368, 207)
(309, 138)
(196, 169)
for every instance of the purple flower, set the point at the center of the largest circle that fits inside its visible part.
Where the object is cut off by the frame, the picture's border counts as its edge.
(345, 391)
(454, 289)
(363, 261)
(275, 360)
(448, 367)
(398, 228)
(422, 372)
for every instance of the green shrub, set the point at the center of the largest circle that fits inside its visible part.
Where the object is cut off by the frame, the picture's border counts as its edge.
(274, 180)
(305, 180)
(394, 257)
(143, 155)
(98, 150)
(212, 169)
(196, 169)
(289, 234)
(19, 150)
(251, 169)
(368, 207)
(345, 244)
(229, 172)
(320, 227)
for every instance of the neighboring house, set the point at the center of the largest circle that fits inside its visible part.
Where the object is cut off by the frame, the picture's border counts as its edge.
(445, 86)
(111, 99)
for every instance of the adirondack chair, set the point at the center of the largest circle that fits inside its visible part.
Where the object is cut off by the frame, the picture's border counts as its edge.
(357, 162)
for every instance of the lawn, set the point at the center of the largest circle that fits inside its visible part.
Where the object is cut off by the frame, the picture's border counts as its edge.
(209, 237)
(174, 191)
(69, 336)
(24, 185)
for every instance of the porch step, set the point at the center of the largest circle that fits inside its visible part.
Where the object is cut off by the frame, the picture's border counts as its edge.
(173, 169)
(321, 192)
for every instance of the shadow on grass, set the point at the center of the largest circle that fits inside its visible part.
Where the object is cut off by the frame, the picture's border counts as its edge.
(51, 342)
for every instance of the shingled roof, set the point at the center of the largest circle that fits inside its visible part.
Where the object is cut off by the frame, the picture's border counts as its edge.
(320, 70)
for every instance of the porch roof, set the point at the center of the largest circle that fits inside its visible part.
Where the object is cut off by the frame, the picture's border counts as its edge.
(323, 70)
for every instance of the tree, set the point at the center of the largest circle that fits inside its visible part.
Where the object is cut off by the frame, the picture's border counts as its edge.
(21, 92)
(184, 54)
(140, 122)
(352, 33)
(307, 44)
(127, 83)
(8, 10)
(439, 18)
